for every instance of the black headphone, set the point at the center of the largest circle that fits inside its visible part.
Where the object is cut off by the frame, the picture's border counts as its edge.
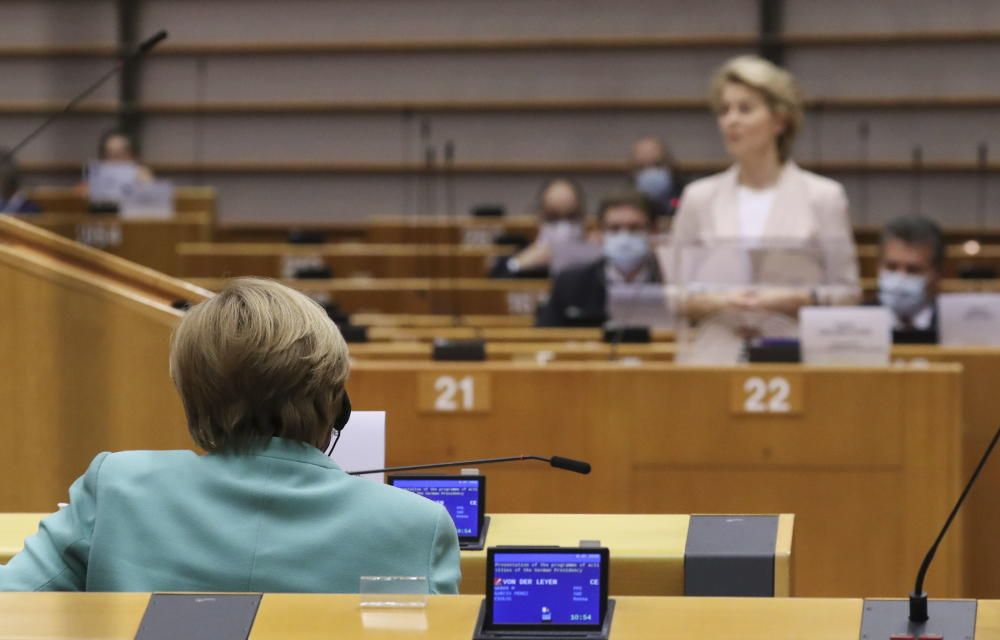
(341, 421)
(344, 415)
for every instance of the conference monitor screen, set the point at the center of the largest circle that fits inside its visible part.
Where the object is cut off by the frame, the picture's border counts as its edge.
(463, 496)
(546, 588)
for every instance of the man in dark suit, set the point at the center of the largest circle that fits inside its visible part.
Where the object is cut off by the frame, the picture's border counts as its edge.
(911, 258)
(579, 295)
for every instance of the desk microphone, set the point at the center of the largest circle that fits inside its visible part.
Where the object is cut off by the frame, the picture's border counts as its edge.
(918, 599)
(568, 464)
(144, 47)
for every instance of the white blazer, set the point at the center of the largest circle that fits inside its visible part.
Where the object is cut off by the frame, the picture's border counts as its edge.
(808, 209)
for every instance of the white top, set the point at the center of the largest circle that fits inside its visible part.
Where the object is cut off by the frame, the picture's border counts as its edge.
(755, 206)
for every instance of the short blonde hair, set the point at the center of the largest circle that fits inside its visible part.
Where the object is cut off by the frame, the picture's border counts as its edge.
(776, 85)
(255, 361)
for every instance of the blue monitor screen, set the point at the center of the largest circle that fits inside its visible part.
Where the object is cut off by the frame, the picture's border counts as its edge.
(546, 588)
(459, 496)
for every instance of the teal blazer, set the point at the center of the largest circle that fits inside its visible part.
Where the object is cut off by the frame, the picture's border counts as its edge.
(281, 519)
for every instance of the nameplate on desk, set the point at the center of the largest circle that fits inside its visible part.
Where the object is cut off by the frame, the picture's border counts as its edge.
(204, 616)
(755, 393)
(147, 200)
(969, 319)
(454, 392)
(845, 335)
(100, 235)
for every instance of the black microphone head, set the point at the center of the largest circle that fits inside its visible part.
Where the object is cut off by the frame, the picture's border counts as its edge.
(569, 464)
(152, 41)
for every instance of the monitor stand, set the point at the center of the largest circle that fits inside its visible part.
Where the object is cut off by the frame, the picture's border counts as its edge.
(477, 545)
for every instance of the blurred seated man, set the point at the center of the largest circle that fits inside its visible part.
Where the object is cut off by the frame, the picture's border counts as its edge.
(12, 198)
(579, 295)
(116, 146)
(911, 258)
(260, 370)
(561, 218)
(653, 174)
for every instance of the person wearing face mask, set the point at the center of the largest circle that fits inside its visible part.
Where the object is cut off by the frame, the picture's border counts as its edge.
(579, 294)
(764, 198)
(653, 174)
(561, 214)
(911, 256)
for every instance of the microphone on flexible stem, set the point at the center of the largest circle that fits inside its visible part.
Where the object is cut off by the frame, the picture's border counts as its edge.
(918, 169)
(449, 195)
(918, 599)
(144, 47)
(423, 196)
(864, 132)
(982, 163)
(558, 462)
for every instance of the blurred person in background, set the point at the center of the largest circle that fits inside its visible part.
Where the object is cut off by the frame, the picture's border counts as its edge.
(561, 220)
(654, 174)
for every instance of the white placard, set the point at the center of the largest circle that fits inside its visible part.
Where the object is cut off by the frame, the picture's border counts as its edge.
(845, 335)
(969, 318)
(639, 304)
(362, 444)
(147, 200)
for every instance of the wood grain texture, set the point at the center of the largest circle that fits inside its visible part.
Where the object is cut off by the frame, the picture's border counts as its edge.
(661, 439)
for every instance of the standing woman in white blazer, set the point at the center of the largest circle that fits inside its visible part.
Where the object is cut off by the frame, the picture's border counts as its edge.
(765, 197)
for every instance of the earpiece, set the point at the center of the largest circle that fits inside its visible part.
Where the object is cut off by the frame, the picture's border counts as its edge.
(345, 413)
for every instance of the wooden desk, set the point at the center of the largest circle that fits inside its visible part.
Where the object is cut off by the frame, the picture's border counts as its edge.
(187, 199)
(430, 320)
(306, 617)
(86, 336)
(881, 470)
(419, 295)
(528, 351)
(647, 550)
(386, 229)
(981, 417)
(215, 260)
(151, 243)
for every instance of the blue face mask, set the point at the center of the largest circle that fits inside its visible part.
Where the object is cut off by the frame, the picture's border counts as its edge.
(626, 250)
(904, 293)
(655, 183)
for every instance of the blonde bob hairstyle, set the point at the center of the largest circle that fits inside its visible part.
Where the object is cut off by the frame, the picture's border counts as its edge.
(778, 87)
(258, 360)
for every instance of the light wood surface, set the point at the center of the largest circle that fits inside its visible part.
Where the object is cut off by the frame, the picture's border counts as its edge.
(187, 199)
(151, 243)
(647, 549)
(213, 260)
(305, 617)
(885, 466)
(452, 296)
(86, 337)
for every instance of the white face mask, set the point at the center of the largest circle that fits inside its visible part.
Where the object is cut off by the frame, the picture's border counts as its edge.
(560, 232)
(904, 293)
(626, 250)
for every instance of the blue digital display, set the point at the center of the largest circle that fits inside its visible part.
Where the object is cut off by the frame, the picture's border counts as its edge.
(546, 588)
(459, 496)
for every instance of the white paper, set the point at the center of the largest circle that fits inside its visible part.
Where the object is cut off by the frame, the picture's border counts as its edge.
(147, 200)
(362, 444)
(969, 318)
(845, 335)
